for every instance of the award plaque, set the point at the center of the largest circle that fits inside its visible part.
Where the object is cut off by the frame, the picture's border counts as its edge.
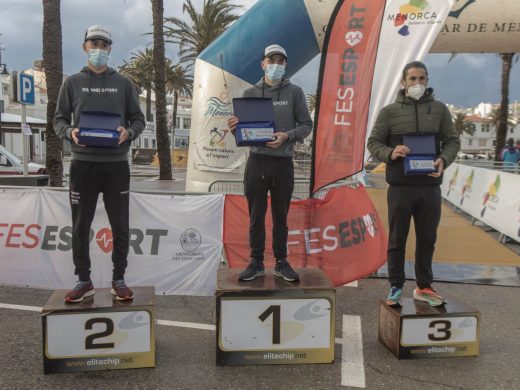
(97, 128)
(256, 121)
(422, 154)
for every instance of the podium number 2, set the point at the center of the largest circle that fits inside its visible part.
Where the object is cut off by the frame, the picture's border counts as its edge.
(440, 326)
(275, 311)
(89, 341)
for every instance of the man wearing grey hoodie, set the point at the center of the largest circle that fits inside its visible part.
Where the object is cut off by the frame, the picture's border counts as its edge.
(95, 170)
(270, 168)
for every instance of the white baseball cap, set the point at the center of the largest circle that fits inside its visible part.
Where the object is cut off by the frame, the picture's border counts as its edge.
(98, 32)
(272, 50)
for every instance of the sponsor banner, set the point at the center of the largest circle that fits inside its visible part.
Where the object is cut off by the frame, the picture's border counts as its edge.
(341, 234)
(213, 145)
(175, 242)
(409, 28)
(487, 195)
(480, 26)
(226, 68)
(346, 73)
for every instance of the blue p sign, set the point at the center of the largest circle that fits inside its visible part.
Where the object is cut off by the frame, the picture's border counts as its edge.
(26, 88)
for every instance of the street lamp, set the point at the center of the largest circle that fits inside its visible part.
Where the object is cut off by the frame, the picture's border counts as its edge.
(2, 73)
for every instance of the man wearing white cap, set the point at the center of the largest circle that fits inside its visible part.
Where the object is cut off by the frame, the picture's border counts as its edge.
(270, 168)
(93, 169)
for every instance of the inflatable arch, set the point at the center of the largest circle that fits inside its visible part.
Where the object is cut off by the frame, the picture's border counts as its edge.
(232, 64)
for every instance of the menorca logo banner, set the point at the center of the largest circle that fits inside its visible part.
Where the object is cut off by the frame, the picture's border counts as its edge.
(367, 45)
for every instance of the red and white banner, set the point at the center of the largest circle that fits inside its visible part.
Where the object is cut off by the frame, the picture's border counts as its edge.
(175, 242)
(366, 49)
(346, 72)
(341, 234)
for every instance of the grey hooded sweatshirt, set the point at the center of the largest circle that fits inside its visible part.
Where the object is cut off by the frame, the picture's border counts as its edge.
(291, 114)
(108, 92)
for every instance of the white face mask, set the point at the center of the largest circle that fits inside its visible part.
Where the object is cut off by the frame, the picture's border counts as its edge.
(416, 91)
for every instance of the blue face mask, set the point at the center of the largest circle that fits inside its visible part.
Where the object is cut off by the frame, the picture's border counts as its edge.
(274, 72)
(98, 57)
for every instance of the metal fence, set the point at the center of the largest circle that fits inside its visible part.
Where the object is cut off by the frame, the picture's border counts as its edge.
(491, 164)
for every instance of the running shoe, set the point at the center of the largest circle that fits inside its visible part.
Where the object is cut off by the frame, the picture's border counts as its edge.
(284, 270)
(121, 291)
(394, 296)
(428, 295)
(254, 270)
(79, 292)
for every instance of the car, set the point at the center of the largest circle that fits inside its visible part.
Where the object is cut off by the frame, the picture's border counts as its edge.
(12, 165)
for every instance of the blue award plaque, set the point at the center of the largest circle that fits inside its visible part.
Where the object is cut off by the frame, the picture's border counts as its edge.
(98, 128)
(256, 121)
(422, 154)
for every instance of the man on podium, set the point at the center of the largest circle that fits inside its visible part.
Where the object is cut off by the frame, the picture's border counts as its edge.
(96, 168)
(415, 138)
(270, 167)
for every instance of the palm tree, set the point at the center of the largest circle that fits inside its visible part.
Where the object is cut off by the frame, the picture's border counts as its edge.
(203, 28)
(462, 125)
(52, 62)
(139, 69)
(178, 82)
(163, 143)
(501, 125)
(495, 119)
(311, 101)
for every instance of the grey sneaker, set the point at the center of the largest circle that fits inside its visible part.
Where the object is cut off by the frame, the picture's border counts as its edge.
(284, 270)
(253, 270)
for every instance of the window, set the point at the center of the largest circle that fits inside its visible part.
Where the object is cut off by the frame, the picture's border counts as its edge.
(178, 122)
(187, 123)
(470, 142)
(146, 145)
(154, 144)
(494, 142)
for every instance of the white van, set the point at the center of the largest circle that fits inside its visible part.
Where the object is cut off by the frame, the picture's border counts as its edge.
(12, 165)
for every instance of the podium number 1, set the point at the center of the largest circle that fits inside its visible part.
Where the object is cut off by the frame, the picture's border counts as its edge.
(89, 341)
(275, 311)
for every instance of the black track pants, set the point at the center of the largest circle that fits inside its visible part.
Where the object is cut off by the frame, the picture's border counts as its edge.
(424, 205)
(263, 174)
(87, 181)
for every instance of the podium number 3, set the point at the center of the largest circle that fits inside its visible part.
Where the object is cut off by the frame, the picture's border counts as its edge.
(89, 341)
(275, 311)
(441, 330)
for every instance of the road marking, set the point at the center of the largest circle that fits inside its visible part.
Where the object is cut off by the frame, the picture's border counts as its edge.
(351, 284)
(186, 325)
(20, 307)
(352, 367)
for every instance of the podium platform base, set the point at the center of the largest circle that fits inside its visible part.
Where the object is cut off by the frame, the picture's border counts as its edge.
(417, 330)
(100, 333)
(271, 321)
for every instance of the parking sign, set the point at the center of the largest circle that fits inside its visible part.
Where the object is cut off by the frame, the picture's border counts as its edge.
(26, 88)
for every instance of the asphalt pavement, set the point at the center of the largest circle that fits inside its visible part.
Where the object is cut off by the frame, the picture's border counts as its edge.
(186, 356)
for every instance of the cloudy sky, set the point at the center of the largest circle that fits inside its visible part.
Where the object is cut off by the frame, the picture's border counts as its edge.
(465, 81)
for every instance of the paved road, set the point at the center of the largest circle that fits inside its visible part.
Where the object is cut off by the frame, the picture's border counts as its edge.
(186, 357)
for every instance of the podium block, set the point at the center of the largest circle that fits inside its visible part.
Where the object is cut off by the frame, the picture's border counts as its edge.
(271, 321)
(100, 333)
(417, 330)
